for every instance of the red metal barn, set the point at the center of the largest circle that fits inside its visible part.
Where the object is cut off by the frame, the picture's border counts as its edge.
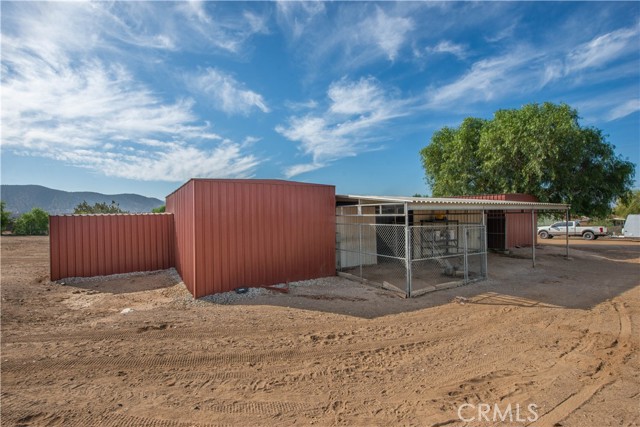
(237, 233)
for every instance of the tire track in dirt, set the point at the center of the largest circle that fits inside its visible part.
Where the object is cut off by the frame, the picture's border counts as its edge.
(70, 418)
(219, 359)
(603, 377)
(160, 331)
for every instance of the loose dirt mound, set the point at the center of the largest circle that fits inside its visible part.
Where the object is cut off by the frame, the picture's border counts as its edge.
(138, 351)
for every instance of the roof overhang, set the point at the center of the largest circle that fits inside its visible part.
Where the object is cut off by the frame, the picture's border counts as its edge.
(444, 203)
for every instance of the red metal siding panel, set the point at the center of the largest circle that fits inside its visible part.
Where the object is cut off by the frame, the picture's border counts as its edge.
(180, 204)
(91, 245)
(519, 228)
(252, 233)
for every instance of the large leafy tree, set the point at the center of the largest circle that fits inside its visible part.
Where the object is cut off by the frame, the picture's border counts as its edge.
(98, 208)
(35, 222)
(5, 217)
(539, 149)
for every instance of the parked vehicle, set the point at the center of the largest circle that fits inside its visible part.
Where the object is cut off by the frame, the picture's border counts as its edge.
(591, 232)
(632, 226)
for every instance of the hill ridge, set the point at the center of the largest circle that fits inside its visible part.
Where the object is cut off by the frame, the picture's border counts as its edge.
(22, 198)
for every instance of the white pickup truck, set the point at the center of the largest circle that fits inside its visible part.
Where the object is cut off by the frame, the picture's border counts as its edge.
(560, 229)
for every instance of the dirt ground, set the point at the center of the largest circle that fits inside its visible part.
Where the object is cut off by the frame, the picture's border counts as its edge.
(563, 336)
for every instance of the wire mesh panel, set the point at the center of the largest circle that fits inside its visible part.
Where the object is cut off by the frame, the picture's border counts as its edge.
(476, 253)
(411, 259)
(446, 255)
(375, 252)
(437, 256)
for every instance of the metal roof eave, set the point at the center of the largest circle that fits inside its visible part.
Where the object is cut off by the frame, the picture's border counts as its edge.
(437, 203)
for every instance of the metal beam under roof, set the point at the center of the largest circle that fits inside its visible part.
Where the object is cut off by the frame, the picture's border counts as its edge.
(446, 203)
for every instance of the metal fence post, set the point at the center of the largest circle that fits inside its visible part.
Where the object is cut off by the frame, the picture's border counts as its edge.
(466, 260)
(486, 252)
(360, 248)
(407, 249)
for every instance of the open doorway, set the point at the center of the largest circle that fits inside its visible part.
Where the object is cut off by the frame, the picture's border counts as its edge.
(496, 230)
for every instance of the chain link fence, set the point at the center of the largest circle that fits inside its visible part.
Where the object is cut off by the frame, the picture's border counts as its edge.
(411, 260)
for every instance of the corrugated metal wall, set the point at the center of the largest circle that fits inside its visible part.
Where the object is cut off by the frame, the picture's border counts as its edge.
(180, 203)
(520, 228)
(98, 245)
(253, 233)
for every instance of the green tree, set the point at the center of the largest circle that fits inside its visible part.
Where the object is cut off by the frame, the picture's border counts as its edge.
(5, 217)
(98, 208)
(629, 206)
(35, 222)
(159, 209)
(539, 149)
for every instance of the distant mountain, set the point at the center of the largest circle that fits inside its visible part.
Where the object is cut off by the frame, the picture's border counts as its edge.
(22, 198)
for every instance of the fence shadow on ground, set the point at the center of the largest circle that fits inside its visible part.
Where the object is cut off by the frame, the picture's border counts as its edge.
(582, 282)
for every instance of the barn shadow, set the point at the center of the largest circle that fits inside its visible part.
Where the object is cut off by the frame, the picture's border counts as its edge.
(125, 283)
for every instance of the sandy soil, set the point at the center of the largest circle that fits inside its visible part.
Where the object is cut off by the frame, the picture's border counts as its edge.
(562, 336)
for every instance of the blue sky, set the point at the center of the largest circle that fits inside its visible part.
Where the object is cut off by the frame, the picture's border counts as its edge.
(138, 97)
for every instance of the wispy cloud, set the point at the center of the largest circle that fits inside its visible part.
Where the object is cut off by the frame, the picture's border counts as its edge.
(524, 69)
(59, 100)
(226, 93)
(297, 16)
(608, 106)
(352, 38)
(347, 127)
(201, 30)
(446, 46)
(487, 79)
(603, 49)
(628, 107)
(388, 32)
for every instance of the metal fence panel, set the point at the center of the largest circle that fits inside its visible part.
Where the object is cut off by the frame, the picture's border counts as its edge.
(412, 259)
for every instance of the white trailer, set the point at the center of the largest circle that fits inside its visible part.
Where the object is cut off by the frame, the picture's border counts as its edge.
(632, 226)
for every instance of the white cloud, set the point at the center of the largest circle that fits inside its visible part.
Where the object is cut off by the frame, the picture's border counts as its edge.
(59, 101)
(297, 16)
(388, 32)
(486, 80)
(299, 169)
(603, 49)
(347, 127)
(624, 109)
(445, 46)
(351, 37)
(226, 93)
(305, 105)
(228, 33)
(360, 97)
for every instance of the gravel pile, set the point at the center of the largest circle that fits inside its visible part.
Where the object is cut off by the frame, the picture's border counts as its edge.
(231, 297)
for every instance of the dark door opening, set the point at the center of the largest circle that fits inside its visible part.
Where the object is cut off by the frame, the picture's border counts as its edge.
(496, 230)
